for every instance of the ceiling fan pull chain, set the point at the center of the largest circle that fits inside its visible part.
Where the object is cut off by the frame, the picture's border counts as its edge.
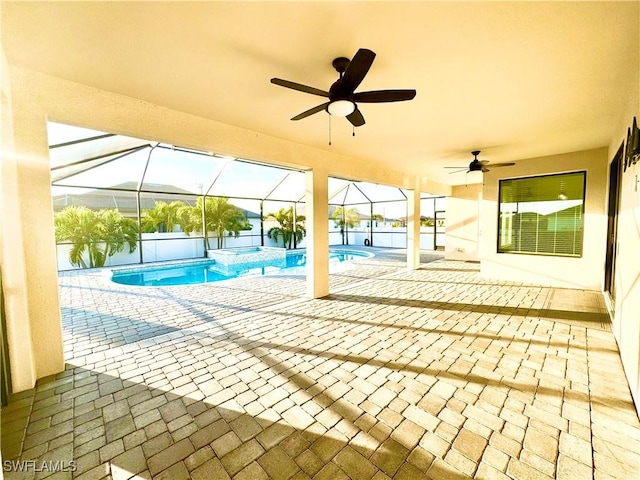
(353, 130)
(329, 129)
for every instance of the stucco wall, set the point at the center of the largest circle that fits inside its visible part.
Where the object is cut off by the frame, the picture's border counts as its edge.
(586, 272)
(463, 223)
(626, 305)
(627, 279)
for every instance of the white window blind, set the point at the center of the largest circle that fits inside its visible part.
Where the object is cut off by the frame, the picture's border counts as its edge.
(542, 215)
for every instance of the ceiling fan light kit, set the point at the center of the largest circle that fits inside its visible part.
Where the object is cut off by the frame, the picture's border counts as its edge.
(343, 101)
(341, 108)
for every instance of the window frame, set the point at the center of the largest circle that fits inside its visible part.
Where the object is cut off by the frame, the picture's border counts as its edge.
(499, 233)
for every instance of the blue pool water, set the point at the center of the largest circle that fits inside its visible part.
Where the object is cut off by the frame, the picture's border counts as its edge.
(208, 271)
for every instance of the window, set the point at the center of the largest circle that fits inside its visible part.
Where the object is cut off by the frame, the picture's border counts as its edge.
(542, 215)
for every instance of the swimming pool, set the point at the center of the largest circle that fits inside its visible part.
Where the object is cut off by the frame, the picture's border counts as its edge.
(205, 271)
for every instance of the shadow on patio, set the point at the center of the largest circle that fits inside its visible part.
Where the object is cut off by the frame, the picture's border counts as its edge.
(372, 381)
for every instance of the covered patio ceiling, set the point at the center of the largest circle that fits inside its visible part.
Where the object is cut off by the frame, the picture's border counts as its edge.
(512, 79)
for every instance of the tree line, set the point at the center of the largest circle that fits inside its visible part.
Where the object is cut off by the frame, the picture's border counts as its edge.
(97, 235)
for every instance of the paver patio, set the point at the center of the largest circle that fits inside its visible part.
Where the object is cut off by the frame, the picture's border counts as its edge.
(435, 373)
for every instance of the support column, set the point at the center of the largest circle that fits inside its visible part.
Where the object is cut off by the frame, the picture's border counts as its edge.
(317, 222)
(413, 229)
(16, 302)
(27, 244)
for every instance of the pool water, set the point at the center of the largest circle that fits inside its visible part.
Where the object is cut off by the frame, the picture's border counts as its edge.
(206, 271)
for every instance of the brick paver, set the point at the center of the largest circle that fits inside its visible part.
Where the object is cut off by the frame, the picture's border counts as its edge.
(433, 373)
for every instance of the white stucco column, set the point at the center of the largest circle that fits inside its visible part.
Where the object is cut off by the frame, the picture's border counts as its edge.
(27, 245)
(16, 306)
(317, 223)
(413, 229)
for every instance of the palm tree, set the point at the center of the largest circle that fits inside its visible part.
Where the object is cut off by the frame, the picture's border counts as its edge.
(220, 217)
(377, 217)
(426, 221)
(345, 218)
(287, 229)
(163, 217)
(99, 234)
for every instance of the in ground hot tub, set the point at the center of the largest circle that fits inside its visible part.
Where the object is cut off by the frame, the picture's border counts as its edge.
(246, 256)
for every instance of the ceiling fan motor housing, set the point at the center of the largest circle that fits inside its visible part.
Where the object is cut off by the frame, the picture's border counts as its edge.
(475, 166)
(336, 93)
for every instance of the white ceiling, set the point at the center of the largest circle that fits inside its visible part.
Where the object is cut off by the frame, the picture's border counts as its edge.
(513, 79)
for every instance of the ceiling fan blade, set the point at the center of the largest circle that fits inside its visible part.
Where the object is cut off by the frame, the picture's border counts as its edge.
(457, 171)
(457, 167)
(311, 111)
(504, 164)
(485, 169)
(299, 87)
(356, 71)
(484, 162)
(380, 96)
(356, 118)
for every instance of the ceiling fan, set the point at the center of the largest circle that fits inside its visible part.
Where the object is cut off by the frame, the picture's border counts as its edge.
(480, 165)
(342, 97)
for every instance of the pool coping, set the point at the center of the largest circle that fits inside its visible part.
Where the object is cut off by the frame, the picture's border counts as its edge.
(109, 272)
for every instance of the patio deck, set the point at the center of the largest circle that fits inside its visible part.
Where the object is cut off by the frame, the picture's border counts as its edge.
(434, 373)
